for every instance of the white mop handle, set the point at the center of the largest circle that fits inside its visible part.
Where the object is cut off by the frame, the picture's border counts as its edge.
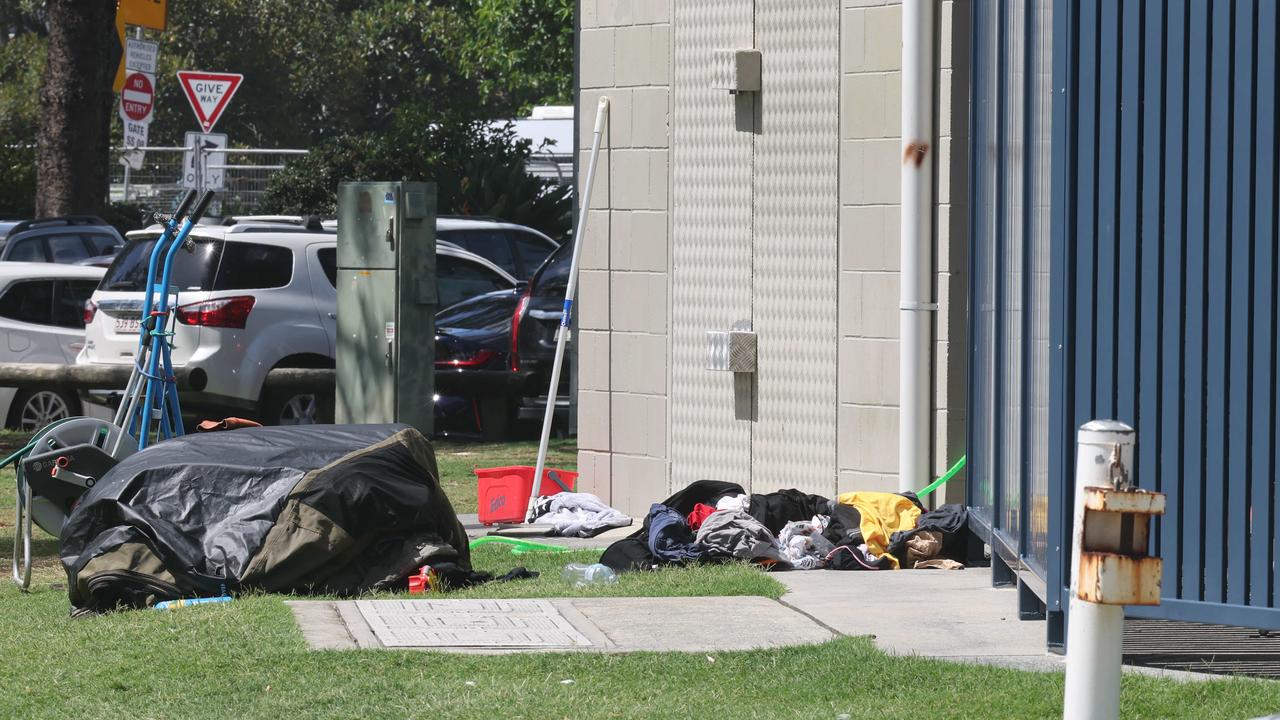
(562, 333)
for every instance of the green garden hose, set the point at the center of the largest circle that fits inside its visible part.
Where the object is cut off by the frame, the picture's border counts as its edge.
(519, 547)
(945, 477)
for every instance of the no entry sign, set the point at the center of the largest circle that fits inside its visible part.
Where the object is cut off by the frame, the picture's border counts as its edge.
(209, 93)
(137, 97)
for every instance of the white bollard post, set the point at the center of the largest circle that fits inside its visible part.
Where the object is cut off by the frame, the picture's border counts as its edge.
(1095, 632)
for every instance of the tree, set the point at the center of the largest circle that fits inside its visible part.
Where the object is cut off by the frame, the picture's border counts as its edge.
(21, 66)
(314, 70)
(521, 51)
(73, 141)
(477, 170)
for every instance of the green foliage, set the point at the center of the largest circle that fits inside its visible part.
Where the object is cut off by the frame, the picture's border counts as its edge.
(478, 171)
(21, 64)
(17, 181)
(522, 52)
(320, 69)
(125, 217)
(338, 76)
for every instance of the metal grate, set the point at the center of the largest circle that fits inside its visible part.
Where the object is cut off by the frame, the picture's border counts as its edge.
(1194, 647)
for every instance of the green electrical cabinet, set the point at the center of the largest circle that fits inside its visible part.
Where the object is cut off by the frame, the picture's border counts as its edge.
(386, 303)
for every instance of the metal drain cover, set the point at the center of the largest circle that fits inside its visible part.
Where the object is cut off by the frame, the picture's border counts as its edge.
(497, 624)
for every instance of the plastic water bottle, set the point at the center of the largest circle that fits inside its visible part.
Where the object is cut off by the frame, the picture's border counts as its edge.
(580, 574)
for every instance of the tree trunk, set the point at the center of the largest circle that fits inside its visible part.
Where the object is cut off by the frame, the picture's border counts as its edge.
(76, 101)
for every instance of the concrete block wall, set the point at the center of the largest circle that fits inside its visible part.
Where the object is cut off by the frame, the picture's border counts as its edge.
(625, 53)
(870, 156)
(624, 315)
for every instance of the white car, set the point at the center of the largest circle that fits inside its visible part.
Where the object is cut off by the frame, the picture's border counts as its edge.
(253, 295)
(42, 320)
(515, 249)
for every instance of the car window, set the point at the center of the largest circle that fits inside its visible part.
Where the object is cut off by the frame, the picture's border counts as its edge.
(532, 250)
(29, 301)
(458, 279)
(491, 310)
(328, 258)
(253, 266)
(69, 297)
(66, 248)
(491, 245)
(192, 268)
(28, 250)
(553, 279)
(102, 244)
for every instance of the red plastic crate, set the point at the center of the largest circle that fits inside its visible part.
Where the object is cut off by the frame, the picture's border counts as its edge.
(503, 492)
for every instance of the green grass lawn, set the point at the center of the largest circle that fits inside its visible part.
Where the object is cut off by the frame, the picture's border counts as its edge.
(246, 659)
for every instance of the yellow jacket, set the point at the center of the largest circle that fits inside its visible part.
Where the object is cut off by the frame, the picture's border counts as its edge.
(882, 515)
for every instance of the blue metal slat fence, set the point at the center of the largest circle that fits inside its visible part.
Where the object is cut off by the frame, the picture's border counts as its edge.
(1172, 410)
(1264, 309)
(1151, 317)
(1163, 283)
(1240, 301)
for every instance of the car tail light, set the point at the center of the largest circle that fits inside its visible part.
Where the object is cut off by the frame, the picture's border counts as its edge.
(230, 312)
(475, 359)
(515, 328)
(90, 310)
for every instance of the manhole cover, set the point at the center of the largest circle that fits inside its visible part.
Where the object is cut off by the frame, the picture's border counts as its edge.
(470, 624)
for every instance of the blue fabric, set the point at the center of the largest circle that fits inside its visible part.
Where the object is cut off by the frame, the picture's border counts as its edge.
(670, 538)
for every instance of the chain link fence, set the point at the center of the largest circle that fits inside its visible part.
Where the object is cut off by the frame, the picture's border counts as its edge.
(157, 176)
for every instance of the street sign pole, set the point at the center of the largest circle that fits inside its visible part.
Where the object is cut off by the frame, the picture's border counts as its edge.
(128, 168)
(137, 101)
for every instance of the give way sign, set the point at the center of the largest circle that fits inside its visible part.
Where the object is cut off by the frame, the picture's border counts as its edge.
(209, 93)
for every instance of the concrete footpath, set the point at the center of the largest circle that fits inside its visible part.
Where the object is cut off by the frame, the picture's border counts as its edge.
(947, 614)
(952, 615)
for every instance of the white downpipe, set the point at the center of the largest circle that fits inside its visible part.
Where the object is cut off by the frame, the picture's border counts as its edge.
(916, 306)
(566, 316)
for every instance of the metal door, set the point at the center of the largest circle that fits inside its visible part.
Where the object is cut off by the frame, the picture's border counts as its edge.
(754, 245)
(711, 159)
(366, 392)
(368, 233)
(794, 246)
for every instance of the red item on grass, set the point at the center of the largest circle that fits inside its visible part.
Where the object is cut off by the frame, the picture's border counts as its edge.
(701, 512)
(423, 581)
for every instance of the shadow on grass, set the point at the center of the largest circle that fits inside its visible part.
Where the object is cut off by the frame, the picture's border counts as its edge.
(44, 550)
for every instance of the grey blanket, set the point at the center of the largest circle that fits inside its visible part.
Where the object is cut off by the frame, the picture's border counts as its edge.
(739, 535)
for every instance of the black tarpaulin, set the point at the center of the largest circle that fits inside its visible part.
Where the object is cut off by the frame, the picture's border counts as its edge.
(336, 509)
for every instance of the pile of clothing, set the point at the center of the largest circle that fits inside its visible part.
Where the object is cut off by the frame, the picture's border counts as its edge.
(711, 521)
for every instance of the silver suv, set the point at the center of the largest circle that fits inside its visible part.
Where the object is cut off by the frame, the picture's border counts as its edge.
(251, 297)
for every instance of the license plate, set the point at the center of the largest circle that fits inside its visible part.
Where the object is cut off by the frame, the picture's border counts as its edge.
(128, 325)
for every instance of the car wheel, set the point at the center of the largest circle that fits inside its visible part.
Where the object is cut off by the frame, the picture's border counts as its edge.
(294, 408)
(34, 409)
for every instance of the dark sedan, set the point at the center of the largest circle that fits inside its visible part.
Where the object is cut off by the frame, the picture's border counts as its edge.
(477, 390)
